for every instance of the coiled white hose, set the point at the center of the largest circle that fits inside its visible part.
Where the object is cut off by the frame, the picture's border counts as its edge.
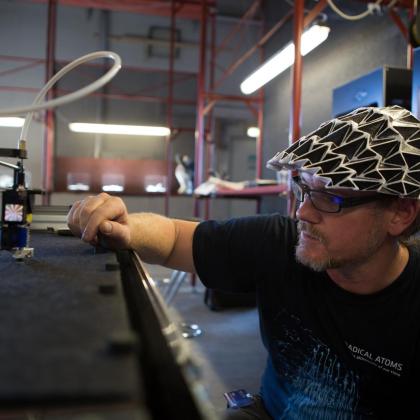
(38, 105)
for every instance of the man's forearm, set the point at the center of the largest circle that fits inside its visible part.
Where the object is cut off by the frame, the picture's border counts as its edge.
(152, 236)
(161, 240)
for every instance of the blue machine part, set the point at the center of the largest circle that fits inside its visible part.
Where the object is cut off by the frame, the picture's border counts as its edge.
(22, 237)
(385, 86)
(364, 91)
(415, 98)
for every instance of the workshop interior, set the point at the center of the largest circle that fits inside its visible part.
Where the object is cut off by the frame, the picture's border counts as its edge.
(175, 106)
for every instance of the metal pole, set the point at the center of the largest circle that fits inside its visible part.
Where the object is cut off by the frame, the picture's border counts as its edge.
(410, 53)
(259, 145)
(210, 119)
(247, 15)
(48, 164)
(102, 110)
(170, 104)
(251, 51)
(201, 81)
(295, 121)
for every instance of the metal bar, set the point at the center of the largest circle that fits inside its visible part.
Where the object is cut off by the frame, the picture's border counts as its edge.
(210, 120)
(260, 119)
(120, 91)
(251, 51)
(294, 127)
(20, 58)
(48, 166)
(162, 85)
(190, 10)
(208, 108)
(170, 108)
(307, 21)
(18, 89)
(220, 97)
(201, 80)
(142, 98)
(248, 14)
(253, 111)
(309, 18)
(21, 68)
(102, 108)
(400, 24)
(64, 62)
(412, 11)
(105, 95)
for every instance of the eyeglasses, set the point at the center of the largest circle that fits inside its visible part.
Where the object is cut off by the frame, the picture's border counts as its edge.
(327, 202)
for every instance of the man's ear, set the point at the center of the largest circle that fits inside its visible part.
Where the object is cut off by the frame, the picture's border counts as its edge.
(404, 212)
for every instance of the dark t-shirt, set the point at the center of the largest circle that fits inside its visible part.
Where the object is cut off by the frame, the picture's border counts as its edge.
(331, 354)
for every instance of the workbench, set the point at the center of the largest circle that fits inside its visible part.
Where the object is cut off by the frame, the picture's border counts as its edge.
(86, 331)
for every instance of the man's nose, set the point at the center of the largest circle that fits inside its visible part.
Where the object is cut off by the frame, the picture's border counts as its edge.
(307, 212)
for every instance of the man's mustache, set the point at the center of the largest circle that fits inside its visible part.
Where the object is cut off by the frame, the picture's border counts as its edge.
(310, 230)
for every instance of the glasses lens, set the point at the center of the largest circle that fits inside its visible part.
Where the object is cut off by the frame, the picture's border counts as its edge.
(325, 202)
(297, 191)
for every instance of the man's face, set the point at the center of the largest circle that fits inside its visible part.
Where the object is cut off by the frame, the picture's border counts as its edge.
(338, 240)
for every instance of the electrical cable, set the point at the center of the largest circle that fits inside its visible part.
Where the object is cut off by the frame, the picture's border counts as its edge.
(370, 8)
(391, 4)
(37, 105)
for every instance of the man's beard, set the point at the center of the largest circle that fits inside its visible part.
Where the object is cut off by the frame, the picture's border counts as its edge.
(322, 263)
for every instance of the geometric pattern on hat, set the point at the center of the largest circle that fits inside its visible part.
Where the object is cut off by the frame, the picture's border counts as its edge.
(369, 149)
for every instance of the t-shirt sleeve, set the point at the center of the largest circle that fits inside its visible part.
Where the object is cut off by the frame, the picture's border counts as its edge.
(232, 255)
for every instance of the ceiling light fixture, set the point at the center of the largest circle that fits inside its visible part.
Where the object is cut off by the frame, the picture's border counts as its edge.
(11, 122)
(253, 132)
(283, 59)
(130, 130)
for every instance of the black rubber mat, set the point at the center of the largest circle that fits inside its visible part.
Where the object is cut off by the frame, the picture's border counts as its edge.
(64, 328)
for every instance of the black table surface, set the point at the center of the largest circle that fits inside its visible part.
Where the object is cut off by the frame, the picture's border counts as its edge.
(62, 315)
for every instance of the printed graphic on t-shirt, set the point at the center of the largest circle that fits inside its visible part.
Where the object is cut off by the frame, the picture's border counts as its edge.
(381, 362)
(314, 381)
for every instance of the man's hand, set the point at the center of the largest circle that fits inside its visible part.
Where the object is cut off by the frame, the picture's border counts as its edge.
(102, 219)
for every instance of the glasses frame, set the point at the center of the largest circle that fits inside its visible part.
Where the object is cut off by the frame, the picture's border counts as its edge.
(342, 202)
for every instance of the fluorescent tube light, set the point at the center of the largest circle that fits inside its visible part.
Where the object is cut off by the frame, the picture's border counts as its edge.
(253, 132)
(113, 188)
(78, 187)
(283, 59)
(11, 122)
(130, 130)
(158, 188)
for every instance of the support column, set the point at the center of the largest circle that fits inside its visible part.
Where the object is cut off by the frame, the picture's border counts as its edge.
(201, 85)
(295, 112)
(48, 152)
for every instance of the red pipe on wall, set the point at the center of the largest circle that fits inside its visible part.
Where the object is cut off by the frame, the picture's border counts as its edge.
(294, 127)
(201, 91)
(48, 164)
(170, 104)
(295, 120)
(209, 135)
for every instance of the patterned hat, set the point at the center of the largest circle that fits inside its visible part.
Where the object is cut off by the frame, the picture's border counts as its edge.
(370, 149)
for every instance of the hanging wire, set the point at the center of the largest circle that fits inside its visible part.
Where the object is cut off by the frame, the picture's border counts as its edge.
(370, 9)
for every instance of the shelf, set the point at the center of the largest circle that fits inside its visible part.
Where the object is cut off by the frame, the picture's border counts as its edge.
(252, 192)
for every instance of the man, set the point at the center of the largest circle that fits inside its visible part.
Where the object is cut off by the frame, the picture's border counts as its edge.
(338, 292)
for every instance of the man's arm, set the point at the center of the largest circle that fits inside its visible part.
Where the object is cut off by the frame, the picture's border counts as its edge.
(157, 239)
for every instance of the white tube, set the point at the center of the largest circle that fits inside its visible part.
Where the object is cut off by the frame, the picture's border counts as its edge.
(37, 105)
